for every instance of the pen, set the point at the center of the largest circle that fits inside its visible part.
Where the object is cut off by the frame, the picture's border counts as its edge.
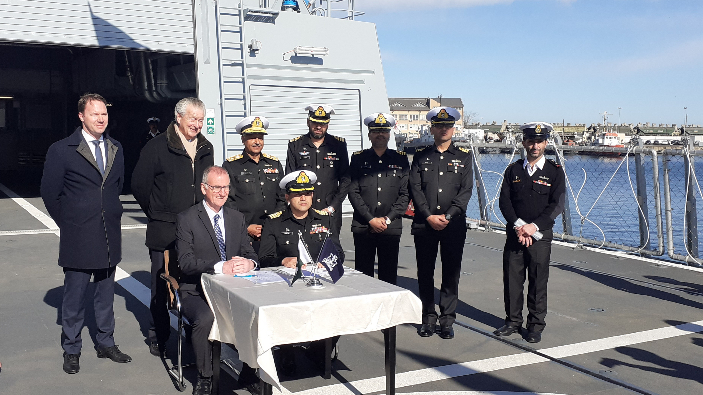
(244, 276)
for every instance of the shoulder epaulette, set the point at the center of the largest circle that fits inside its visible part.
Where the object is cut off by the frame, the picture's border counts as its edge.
(295, 139)
(358, 152)
(276, 214)
(270, 157)
(421, 149)
(553, 162)
(466, 150)
(236, 157)
(340, 139)
(402, 153)
(321, 212)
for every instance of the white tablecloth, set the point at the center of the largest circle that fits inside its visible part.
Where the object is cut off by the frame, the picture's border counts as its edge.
(257, 317)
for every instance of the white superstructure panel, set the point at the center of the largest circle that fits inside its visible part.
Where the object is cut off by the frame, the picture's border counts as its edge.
(155, 25)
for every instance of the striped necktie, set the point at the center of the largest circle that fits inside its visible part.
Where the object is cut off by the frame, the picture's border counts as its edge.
(220, 239)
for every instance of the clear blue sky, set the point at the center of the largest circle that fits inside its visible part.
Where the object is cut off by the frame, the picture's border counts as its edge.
(547, 60)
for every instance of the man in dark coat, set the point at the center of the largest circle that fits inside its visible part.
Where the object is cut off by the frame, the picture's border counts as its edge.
(379, 194)
(440, 184)
(81, 185)
(531, 198)
(165, 182)
(211, 239)
(327, 156)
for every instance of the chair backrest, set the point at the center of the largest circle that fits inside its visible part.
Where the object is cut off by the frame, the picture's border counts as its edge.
(172, 274)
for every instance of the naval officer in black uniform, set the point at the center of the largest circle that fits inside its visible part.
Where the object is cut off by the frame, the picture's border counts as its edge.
(279, 245)
(255, 177)
(327, 156)
(440, 187)
(378, 191)
(531, 197)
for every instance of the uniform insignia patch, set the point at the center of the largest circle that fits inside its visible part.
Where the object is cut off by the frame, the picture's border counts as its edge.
(236, 157)
(271, 170)
(276, 214)
(540, 182)
(287, 231)
(321, 212)
(340, 139)
(394, 167)
(295, 139)
(270, 157)
(402, 153)
(517, 179)
(380, 119)
(318, 229)
(443, 114)
(358, 152)
(466, 150)
(320, 112)
(553, 162)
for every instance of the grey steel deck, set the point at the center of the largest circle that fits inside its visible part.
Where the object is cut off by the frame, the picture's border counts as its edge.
(615, 324)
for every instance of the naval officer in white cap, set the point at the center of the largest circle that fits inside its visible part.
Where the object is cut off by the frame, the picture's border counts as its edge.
(531, 198)
(324, 154)
(440, 186)
(255, 176)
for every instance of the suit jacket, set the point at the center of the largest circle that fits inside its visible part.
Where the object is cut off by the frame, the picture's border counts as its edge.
(85, 204)
(197, 247)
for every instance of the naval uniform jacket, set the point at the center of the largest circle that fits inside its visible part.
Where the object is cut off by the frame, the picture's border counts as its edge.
(166, 181)
(279, 237)
(378, 188)
(538, 199)
(440, 183)
(85, 204)
(329, 161)
(254, 189)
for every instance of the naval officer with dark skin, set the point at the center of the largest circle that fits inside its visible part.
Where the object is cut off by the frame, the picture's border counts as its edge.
(440, 187)
(531, 197)
(255, 177)
(378, 191)
(327, 156)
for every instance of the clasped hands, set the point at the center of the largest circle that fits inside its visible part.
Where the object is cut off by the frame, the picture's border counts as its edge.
(238, 265)
(524, 234)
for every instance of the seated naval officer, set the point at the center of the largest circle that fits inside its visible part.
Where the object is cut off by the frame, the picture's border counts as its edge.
(378, 191)
(210, 239)
(531, 197)
(327, 156)
(279, 244)
(440, 185)
(255, 177)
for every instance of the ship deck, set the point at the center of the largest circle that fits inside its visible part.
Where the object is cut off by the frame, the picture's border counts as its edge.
(616, 324)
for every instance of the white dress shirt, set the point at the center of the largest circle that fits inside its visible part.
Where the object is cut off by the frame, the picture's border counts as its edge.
(89, 139)
(221, 223)
(532, 169)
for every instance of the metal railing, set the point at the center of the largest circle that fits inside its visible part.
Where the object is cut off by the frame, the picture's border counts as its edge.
(614, 196)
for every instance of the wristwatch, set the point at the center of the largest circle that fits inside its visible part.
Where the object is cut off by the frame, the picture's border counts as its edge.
(448, 217)
(388, 221)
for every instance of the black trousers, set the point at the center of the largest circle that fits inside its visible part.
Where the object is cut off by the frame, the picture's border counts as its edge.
(367, 245)
(73, 307)
(197, 311)
(159, 322)
(533, 260)
(450, 242)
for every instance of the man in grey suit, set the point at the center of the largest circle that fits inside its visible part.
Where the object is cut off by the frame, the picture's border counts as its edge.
(210, 238)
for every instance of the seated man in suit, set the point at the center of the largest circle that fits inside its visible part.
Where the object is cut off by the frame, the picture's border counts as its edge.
(211, 239)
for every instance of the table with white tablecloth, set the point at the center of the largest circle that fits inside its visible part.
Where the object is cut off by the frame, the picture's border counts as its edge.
(257, 317)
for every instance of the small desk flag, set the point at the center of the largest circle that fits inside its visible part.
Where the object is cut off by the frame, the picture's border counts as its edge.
(331, 259)
(303, 258)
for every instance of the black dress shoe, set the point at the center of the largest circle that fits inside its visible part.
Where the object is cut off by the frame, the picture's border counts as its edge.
(113, 353)
(70, 363)
(157, 350)
(427, 330)
(533, 337)
(203, 386)
(446, 332)
(506, 330)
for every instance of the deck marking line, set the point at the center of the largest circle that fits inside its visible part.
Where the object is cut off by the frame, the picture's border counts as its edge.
(427, 375)
(55, 230)
(35, 212)
(478, 393)
(126, 281)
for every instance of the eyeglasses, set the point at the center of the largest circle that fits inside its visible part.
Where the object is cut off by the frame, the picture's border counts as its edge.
(217, 189)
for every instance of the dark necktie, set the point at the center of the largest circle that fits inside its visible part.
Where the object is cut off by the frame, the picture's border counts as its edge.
(220, 240)
(99, 157)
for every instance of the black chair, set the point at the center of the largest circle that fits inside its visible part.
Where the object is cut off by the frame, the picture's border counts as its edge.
(174, 306)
